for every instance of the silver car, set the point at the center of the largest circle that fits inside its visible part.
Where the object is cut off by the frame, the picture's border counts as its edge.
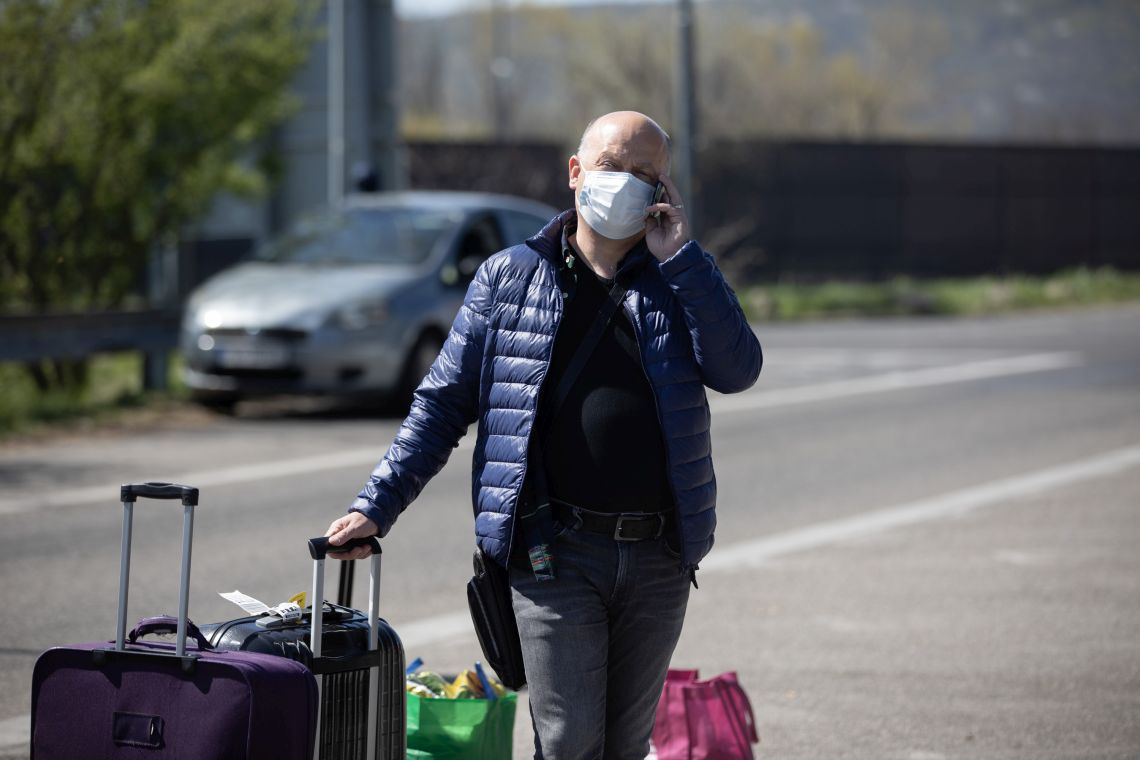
(356, 302)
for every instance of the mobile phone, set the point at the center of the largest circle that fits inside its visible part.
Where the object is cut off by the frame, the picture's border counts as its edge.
(658, 194)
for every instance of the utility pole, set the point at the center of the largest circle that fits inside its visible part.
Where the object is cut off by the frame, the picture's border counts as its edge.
(335, 102)
(685, 113)
(385, 114)
(502, 71)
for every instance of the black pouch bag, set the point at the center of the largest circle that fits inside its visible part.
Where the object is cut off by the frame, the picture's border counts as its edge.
(489, 597)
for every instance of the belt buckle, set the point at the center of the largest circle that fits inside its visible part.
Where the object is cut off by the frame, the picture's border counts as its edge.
(621, 518)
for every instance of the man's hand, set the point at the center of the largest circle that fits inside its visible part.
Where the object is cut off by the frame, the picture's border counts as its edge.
(670, 230)
(353, 525)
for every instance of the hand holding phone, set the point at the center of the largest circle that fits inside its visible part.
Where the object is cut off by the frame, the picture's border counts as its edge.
(667, 226)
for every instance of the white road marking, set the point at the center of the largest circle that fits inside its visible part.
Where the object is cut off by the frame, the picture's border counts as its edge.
(807, 363)
(896, 381)
(752, 553)
(416, 634)
(1023, 559)
(246, 473)
(802, 394)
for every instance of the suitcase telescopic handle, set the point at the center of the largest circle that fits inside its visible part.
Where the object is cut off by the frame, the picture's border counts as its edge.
(129, 492)
(319, 547)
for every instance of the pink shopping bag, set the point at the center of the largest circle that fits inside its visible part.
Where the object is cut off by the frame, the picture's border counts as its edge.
(703, 720)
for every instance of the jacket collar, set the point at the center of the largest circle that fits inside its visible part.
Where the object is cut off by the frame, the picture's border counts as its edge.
(548, 243)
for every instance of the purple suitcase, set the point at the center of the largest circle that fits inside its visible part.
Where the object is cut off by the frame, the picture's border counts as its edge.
(136, 699)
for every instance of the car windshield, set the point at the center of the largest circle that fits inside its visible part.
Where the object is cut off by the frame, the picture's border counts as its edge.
(362, 236)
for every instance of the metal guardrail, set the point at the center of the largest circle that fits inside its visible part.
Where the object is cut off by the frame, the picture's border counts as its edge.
(74, 336)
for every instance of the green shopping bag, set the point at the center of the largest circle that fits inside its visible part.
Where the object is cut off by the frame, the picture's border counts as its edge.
(454, 729)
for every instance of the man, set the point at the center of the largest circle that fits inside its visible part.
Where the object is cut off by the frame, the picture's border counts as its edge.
(600, 589)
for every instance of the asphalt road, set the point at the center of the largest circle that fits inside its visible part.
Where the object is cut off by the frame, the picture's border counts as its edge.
(926, 546)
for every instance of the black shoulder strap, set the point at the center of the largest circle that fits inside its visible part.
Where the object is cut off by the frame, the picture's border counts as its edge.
(586, 347)
(538, 522)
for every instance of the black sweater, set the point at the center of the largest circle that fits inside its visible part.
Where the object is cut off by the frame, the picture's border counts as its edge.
(604, 451)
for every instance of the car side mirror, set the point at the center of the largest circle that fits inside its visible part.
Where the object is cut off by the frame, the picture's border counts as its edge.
(469, 264)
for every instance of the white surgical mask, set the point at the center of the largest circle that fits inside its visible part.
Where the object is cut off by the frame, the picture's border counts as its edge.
(613, 203)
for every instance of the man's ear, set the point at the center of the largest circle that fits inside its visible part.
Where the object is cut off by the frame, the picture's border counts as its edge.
(575, 171)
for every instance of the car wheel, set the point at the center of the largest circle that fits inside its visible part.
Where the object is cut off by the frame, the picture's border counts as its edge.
(416, 366)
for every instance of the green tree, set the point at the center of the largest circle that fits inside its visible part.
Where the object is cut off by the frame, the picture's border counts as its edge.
(120, 120)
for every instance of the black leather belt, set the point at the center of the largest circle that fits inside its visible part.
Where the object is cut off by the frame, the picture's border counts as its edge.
(621, 526)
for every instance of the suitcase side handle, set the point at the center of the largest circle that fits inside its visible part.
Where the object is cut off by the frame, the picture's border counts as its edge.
(166, 624)
(319, 547)
(128, 492)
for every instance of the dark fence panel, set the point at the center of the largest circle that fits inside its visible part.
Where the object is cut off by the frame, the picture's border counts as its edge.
(874, 210)
(531, 170)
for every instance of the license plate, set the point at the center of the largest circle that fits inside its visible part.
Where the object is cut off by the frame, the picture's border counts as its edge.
(252, 354)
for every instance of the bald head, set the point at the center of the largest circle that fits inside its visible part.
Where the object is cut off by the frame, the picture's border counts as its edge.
(623, 127)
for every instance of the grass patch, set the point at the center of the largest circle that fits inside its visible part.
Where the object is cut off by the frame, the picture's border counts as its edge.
(115, 384)
(904, 296)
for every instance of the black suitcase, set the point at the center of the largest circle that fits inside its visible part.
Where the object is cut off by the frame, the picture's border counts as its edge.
(359, 668)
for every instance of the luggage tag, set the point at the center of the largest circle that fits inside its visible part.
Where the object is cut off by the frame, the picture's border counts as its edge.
(282, 614)
(248, 603)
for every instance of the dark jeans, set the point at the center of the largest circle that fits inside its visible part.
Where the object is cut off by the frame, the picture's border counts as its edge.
(596, 643)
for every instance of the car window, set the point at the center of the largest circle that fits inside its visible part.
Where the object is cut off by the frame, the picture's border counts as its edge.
(520, 225)
(481, 239)
(362, 236)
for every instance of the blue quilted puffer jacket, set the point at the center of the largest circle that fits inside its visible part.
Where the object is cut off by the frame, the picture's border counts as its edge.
(692, 334)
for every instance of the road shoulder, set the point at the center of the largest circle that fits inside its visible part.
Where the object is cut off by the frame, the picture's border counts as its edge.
(1006, 632)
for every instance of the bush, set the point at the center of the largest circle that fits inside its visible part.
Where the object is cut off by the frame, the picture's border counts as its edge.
(906, 296)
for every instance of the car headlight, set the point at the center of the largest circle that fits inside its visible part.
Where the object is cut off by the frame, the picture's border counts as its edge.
(196, 315)
(360, 315)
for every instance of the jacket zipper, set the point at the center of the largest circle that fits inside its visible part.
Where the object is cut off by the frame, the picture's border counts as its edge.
(692, 569)
(537, 402)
